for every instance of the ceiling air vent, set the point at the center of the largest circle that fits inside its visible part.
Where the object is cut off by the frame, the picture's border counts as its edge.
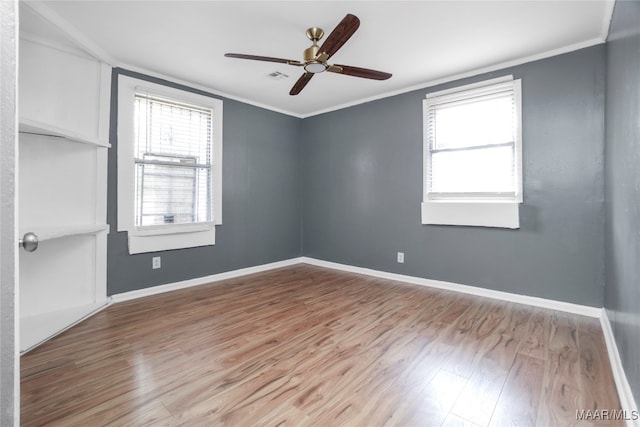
(277, 75)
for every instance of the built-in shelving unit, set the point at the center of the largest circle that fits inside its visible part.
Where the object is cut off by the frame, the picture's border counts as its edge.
(62, 185)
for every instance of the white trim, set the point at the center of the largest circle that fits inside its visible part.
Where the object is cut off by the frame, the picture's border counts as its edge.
(471, 86)
(463, 75)
(567, 307)
(209, 90)
(154, 230)
(104, 105)
(517, 87)
(472, 213)
(150, 239)
(99, 53)
(125, 155)
(154, 290)
(627, 402)
(140, 244)
(488, 212)
(606, 19)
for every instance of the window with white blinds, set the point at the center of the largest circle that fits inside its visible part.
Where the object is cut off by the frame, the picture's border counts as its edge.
(173, 158)
(472, 144)
(473, 155)
(169, 166)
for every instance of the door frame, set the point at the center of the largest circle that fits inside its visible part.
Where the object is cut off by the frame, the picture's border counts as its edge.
(9, 355)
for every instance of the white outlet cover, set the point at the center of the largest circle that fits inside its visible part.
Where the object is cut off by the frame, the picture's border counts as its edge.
(401, 257)
(155, 262)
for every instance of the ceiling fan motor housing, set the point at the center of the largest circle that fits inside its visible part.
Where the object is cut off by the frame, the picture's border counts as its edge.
(311, 52)
(311, 62)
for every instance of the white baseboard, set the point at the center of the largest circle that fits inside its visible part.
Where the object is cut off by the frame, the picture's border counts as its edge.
(472, 290)
(583, 310)
(154, 290)
(624, 390)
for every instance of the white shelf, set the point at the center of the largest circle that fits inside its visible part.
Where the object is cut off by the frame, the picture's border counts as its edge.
(43, 129)
(36, 329)
(45, 233)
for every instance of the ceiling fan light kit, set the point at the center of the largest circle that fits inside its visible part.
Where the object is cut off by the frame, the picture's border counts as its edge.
(315, 67)
(315, 57)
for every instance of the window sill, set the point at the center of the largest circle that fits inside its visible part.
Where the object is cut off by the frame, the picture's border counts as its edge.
(155, 230)
(472, 213)
(164, 240)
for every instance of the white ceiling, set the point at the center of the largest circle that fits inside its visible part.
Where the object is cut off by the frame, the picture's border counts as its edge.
(420, 42)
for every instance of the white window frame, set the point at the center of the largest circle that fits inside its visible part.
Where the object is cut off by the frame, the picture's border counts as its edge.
(498, 211)
(165, 236)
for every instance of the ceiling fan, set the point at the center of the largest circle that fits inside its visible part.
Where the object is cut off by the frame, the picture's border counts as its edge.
(315, 57)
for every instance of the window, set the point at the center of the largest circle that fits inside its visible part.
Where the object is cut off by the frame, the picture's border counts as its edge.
(169, 166)
(472, 155)
(173, 162)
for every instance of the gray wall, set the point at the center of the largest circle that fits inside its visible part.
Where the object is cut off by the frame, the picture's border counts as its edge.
(261, 201)
(622, 292)
(346, 186)
(362, 179)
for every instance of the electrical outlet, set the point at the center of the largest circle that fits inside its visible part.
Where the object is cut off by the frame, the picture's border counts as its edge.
(401, 257)
(155, 262)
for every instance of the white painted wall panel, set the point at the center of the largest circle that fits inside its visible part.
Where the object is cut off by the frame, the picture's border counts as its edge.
(59, 275)
(57, 182)
(60, 89)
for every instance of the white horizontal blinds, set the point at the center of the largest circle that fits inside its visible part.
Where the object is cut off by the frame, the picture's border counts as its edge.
(472, 144)
(173, 153)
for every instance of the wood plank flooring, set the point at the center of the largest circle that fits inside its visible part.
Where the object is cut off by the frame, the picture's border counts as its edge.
(304, 346)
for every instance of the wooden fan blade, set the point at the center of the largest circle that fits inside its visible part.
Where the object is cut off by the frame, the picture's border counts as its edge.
(301, 83)
(259, 58)
(340, 35)
(365, 73)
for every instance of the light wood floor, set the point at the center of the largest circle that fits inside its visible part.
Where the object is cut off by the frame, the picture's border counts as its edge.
(309, 346)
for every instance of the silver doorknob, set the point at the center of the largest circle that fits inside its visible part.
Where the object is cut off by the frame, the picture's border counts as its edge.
(29, 242)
